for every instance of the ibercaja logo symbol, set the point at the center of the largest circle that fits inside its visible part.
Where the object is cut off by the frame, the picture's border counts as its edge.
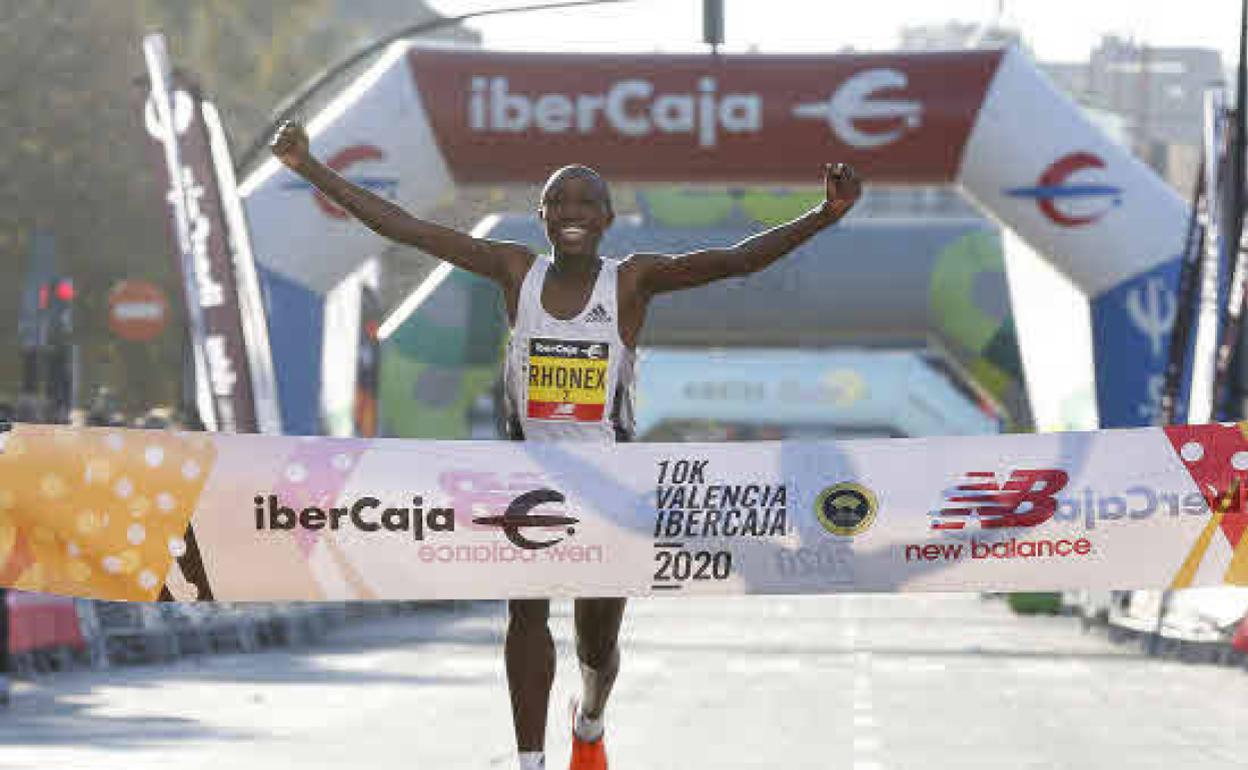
(1072, 191)
(863, 114)
(1027, 498)
(519, 516)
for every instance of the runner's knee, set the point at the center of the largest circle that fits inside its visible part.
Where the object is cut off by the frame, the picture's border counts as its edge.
(528, 614)
(598, 630)
(598, 653)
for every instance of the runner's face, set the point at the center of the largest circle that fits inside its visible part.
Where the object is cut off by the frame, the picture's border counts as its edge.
(576, 214)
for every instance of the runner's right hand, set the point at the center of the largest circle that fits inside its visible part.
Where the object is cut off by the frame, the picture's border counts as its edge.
(290, 144)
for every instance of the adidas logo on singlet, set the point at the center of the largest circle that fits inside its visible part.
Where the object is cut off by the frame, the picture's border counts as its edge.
(598, 315)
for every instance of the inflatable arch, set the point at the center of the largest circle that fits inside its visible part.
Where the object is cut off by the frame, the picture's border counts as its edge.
(422, 120)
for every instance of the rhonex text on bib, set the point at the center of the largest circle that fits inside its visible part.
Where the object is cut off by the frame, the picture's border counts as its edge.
(567, 380)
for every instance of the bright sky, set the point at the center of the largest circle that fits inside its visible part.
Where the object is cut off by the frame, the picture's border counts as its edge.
(1058, 30)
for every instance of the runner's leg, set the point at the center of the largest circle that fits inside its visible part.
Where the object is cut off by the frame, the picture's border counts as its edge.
(597, 647)
(529, 653)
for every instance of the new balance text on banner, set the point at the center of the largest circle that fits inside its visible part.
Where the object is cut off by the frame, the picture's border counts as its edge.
(105, 513)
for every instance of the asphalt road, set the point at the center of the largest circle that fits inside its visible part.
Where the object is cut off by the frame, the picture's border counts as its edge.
(859, 682)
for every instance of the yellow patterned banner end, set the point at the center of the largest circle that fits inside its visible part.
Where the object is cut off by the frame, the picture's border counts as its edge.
(96, 512)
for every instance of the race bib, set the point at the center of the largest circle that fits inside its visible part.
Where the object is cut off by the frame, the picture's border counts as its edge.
(567, 380)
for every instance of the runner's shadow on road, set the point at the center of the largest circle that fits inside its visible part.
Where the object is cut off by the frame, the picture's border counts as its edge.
(700, 648)
(43, 719)
(69, 709)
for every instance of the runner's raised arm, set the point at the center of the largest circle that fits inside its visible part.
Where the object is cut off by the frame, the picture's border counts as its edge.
(658, 273)
(503, 262)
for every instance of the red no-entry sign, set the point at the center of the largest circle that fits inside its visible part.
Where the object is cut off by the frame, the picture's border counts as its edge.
(137, 310)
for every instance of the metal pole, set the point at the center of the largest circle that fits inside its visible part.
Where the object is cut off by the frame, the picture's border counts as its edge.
(713, 24)
(1228, 389)
(1187, 298)
(1200, 399)
(246, 283)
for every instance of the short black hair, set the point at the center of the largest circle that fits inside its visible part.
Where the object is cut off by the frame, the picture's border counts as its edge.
(576, 169)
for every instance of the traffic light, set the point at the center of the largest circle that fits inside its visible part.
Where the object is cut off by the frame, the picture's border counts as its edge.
(62, 307)
(56, 306)
(65, 290)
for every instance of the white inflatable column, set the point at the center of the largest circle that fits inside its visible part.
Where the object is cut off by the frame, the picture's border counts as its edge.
(1099, 215)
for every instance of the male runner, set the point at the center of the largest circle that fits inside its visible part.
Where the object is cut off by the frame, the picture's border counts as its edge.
(574, 311)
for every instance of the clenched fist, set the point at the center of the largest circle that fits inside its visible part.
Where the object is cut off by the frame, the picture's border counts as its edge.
(843, 187)
(290, 145)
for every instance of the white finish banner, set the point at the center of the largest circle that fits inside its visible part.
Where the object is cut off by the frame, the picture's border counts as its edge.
(108, 513)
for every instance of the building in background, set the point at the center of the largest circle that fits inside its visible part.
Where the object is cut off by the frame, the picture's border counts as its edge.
(1156, 92)
(953, 35)
(1148, 97)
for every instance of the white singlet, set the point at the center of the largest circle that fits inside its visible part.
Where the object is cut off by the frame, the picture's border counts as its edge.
(569, 380)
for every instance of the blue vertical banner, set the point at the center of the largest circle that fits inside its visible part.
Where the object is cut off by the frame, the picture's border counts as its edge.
(295, 319)
(1131, 325)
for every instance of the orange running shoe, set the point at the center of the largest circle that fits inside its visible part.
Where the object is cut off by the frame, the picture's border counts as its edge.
(586, 755)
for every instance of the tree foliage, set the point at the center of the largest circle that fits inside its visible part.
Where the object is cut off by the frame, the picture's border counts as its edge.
(75, 167)
(75, 159)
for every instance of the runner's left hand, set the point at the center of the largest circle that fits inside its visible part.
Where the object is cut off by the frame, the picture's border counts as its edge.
(843, 187)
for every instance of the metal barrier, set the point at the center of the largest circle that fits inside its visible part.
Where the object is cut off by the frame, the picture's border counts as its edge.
(44, 632)
(50, 633)
(1139, 618)
(126, 633)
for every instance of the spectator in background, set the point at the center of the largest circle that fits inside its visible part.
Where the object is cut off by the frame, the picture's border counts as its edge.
(104, 409)
(159, 418)
(29, 409)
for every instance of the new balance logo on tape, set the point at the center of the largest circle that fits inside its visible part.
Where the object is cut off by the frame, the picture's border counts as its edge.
(598, 315)
(1026, 499)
